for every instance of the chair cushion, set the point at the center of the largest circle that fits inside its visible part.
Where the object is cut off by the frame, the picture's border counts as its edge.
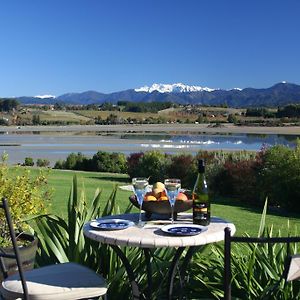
(61, 281)
(294, 268)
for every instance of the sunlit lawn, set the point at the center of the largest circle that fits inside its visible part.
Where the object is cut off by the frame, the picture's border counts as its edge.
(246, 219)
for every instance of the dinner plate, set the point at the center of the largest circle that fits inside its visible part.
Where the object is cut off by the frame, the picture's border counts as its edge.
(183, 229)
(111, 224)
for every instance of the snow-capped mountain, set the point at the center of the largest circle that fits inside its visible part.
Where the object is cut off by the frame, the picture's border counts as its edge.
(44, 96)
(173, 88)
(277, 95)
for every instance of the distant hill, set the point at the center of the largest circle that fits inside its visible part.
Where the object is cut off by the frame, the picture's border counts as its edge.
(279, 94)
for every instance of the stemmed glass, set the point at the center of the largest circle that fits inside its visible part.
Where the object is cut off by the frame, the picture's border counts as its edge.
(172, 189)
(140, 188)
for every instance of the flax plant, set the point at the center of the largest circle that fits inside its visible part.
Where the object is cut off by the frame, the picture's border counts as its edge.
(63, 241)
(256, 269)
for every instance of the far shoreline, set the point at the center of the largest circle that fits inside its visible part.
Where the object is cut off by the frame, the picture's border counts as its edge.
(180, 128)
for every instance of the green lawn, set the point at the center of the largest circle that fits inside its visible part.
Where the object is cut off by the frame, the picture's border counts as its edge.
(60, 181)
(245, 218)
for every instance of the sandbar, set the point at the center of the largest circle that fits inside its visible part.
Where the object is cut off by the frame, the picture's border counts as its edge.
(180, 128)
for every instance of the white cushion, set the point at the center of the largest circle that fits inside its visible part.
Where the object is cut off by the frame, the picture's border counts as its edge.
(294, 268)
(61, 281)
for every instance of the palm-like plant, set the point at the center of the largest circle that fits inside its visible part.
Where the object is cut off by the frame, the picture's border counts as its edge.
(63, 240)
(256, 270)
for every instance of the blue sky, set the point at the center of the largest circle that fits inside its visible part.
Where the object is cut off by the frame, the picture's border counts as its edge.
(59, 46)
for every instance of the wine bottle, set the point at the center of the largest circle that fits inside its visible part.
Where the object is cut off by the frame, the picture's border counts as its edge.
(201, 203)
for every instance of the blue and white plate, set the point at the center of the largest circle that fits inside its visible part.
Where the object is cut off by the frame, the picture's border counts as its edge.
(111, 224)
(183, 229)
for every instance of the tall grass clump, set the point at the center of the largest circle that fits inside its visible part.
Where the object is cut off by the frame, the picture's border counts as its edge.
(256, 269)
(62, 240)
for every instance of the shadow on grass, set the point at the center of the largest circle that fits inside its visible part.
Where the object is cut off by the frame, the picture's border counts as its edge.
(272, 211)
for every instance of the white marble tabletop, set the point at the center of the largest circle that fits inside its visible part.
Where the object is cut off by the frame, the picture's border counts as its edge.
(151, 236)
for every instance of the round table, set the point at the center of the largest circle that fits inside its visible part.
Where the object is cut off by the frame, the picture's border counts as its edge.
(151, 236)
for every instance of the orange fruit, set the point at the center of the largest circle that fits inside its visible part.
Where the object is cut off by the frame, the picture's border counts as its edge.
(163, 196)
(182, 197)
(150, 197)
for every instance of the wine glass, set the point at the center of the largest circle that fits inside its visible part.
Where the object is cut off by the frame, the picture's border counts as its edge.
(172, 187)
(140, 188)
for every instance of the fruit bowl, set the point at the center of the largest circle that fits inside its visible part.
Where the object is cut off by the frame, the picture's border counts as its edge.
(162, 206)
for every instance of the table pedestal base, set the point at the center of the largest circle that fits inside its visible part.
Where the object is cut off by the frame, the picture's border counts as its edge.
(173, 270)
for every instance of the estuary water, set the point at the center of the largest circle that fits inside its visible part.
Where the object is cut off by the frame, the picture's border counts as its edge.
(58, 145)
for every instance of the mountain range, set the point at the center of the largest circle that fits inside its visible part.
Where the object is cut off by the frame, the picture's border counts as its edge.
(279, 94)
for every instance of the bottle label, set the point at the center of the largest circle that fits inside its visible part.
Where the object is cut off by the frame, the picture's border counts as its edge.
(201, 210)
(201, 213)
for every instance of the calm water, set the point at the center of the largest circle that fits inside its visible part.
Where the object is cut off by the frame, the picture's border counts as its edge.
(55, 146)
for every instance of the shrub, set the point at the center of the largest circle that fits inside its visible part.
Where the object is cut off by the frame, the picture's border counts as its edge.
(280, 177)
(184, 167)
(239, 178)
(232, 118)
(100, 162)
(60, 164)
(28, 162)
(4, 121)
(74, 161)
(26, 196)
(208, 156)
(42, 162)
(153, 165)
(109, 162)
(134, 161)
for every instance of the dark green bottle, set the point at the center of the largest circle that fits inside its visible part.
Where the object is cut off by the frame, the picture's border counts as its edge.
(201, 202)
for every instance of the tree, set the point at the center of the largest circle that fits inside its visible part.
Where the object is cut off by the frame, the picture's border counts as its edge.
(109, 162)
(290, 111)
(7, 104)
(153, 164)
(112, 119)
(36, 120)
(232, 119)
(256, 112)
(74, 161)
(29, 161)
(60, 164)
(42, 162)
(59, 106)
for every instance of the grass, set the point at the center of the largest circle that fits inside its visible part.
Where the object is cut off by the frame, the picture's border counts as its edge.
(27, 114)
(61, 116)
(105, 114)
(60, 182)
(245, 218)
